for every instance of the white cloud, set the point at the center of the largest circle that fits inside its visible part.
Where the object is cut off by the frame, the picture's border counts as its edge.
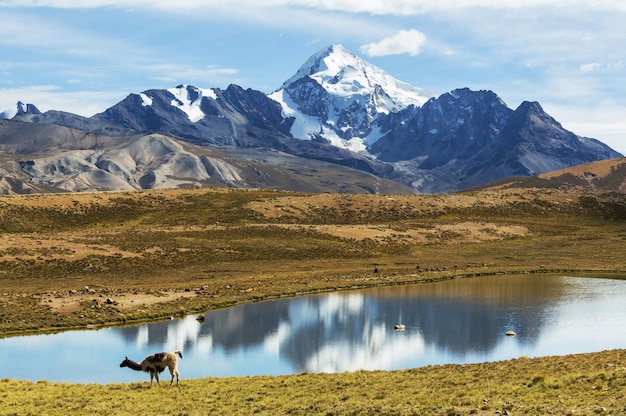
(404, 42)
(376, 7)
(90, 58)
(597, 66)
(205, 75)
(36, 33)
(12, 32)
(51, 97)
(589, 67)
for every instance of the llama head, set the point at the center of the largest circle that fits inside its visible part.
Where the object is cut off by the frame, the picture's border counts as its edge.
(125, 362)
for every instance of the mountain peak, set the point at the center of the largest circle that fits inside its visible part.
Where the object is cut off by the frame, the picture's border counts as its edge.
(324, 60)
(342, 73)
(337, 96)
(532, 111)
(27, 108)
(530, 107)
(20, 109)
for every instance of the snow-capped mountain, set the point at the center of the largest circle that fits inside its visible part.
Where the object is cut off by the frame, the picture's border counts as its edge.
(336, 112)
(234, 116)
(338, 97)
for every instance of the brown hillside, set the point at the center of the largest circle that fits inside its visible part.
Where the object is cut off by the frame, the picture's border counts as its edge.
(603, 175)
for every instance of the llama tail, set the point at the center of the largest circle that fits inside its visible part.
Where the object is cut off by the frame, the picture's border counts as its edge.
(180, 354)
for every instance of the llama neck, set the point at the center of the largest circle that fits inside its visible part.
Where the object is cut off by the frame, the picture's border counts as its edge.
(133, 365)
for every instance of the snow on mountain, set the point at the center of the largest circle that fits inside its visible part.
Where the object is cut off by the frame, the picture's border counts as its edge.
(337, 96)
(146, 100)
(307, 126)
(189, 99)
(344, 74)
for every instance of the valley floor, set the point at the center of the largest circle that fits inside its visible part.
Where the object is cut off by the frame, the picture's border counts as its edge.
(89, 260)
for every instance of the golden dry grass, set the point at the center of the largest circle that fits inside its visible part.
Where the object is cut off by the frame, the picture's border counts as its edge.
(160, 253)
(586, 384)
(155, 254)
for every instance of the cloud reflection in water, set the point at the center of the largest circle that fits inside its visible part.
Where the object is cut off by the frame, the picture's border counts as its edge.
(449, 322)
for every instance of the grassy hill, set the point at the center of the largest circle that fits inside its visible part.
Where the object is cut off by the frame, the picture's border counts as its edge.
(169, 252)
(603, 175)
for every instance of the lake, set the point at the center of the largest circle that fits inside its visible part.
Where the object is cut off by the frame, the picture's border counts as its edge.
(455, 321)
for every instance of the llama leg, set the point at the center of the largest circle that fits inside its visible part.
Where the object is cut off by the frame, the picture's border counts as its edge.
(154, 375)
(173, 372)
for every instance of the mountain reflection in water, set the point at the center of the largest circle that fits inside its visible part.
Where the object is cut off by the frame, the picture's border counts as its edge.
(455, 321)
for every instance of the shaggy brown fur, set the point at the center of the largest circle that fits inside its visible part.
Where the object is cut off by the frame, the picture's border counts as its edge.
(156, 363)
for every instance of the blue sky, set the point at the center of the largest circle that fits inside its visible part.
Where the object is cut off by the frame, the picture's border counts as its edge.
(84, 56)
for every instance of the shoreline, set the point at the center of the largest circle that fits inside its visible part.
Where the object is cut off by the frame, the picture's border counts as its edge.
(8, 333)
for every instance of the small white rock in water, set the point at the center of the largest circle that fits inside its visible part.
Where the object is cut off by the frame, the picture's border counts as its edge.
(510, 333)
(399, 327)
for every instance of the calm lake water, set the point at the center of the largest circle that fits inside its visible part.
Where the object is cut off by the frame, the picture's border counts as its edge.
(457, 321)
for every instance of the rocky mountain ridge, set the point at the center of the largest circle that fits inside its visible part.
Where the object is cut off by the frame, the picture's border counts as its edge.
(40, 158)
(337, 110)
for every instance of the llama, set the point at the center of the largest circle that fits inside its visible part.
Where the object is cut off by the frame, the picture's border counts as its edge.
(155, 364)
